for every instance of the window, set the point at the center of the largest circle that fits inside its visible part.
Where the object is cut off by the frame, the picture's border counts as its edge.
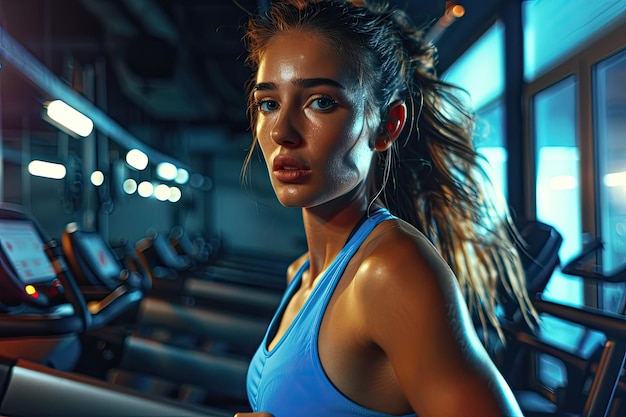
(554, 29)
(610, 131)
(480, 71)
(489, 139)
(557, 178)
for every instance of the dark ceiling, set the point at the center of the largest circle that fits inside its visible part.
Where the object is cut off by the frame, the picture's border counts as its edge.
(175, 61)
(173, 64)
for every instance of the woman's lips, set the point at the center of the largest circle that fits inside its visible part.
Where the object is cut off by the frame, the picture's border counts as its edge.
(289, 169)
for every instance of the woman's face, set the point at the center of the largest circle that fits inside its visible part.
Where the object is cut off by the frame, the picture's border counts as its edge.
(311, 123)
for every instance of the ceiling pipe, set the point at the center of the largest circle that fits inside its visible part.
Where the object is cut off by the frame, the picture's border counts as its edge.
(47, 81)
(452, 13)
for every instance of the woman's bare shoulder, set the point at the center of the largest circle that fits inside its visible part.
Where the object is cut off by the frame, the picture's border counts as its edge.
(413, 310)
(401, 269)
(397, 249)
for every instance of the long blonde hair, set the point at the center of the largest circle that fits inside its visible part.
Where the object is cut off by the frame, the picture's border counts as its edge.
(432, 176)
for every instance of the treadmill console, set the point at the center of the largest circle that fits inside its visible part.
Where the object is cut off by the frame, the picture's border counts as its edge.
(90, 258)
(26, 273)
(100, 257)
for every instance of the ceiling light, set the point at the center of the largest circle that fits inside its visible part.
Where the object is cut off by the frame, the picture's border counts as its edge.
(166, 171)
(145, 189)
(182, 176)
(97, 178)
(175, 194)
(129, 186)
(47, 169)
(137, 159)
(452, 13)
(69, 118)
(162, 192)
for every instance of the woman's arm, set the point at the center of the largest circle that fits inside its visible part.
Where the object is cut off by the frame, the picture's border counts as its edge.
(418, 317)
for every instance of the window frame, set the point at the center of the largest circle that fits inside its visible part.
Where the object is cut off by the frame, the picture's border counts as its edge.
(581, 66)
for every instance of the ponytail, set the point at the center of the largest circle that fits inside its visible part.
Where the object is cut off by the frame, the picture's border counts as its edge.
(431, 176)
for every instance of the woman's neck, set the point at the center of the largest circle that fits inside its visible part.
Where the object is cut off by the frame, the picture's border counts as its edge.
(327, 233)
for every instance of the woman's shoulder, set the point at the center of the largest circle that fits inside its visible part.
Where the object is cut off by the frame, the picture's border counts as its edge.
(402, 279)
(395, 242)
(398, 257)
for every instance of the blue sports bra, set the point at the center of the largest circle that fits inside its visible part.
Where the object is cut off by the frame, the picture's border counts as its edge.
(289, 380)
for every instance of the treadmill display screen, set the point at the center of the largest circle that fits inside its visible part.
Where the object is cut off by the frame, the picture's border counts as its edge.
(99, 256)
(22, 246)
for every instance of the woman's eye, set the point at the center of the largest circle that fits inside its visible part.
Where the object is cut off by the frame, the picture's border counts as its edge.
(323, 103)
(266, 105)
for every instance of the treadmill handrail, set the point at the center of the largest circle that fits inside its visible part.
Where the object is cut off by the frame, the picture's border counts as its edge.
(119, 300)
(33, 390)
(573, 267)
(72, 290)
(36, 325)
(613, 325)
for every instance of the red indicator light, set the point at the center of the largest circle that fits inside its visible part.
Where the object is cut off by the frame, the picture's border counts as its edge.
(32, 291)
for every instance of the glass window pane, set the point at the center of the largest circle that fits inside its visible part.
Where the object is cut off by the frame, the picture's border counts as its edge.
(557, 187)
(553, 29)
(610, 129)
(485, 85)
(489, 141)
(484, 82)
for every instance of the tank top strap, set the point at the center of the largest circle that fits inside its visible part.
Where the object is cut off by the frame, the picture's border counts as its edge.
(354, 243)
(335, 270)
(322, 292)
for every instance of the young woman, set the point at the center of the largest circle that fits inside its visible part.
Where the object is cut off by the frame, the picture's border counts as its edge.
(357, 132)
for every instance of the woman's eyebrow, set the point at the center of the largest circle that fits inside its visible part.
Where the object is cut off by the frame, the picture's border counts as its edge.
(316, 82)
(301, 82)
(264, 87)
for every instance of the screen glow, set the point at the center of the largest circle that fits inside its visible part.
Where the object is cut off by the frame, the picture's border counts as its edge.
(21, 244)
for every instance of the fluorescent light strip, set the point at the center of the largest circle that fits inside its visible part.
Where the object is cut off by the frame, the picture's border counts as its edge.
(69, 118)
(47, 169)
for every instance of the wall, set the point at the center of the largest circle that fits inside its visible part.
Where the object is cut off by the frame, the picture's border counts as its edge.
(134, 215)
(253, 220)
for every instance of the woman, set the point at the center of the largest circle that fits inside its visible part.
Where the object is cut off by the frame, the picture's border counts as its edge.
(357, 131)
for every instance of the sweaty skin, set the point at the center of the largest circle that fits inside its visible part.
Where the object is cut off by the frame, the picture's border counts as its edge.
(396, 336)
(311, 115)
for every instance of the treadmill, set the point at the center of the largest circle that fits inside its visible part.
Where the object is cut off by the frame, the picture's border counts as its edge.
(203, 349)
(42, 312)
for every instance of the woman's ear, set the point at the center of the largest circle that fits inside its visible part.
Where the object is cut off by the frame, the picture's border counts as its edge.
(392, 127)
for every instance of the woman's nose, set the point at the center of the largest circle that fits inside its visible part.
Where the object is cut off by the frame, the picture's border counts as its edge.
(284, 131)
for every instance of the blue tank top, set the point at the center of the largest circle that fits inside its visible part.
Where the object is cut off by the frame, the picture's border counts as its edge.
(289, 380)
